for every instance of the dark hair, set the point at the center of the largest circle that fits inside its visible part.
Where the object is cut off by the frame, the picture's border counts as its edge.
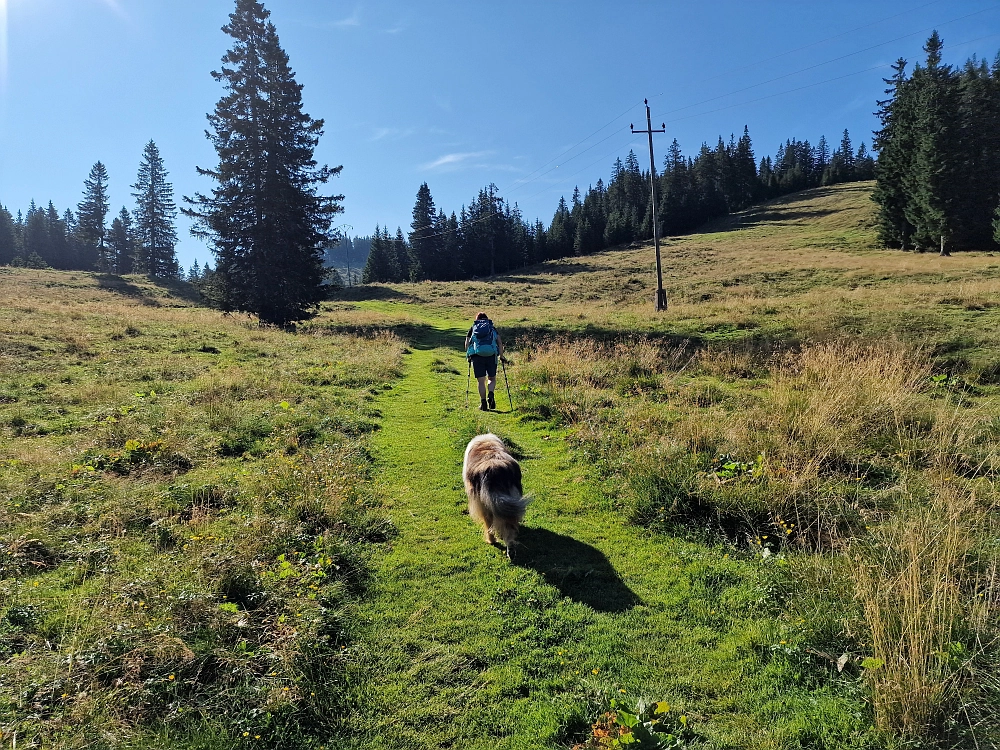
(482, 316)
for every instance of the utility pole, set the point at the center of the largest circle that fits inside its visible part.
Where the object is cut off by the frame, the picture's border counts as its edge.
(347, 229)
(661, 293)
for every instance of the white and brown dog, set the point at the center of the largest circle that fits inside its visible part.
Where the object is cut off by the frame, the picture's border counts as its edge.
(493, 483)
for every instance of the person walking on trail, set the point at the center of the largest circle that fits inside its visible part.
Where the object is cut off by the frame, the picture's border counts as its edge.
(482, 347)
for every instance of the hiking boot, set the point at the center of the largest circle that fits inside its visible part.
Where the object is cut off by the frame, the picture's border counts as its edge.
(491, 401)
(483, 406)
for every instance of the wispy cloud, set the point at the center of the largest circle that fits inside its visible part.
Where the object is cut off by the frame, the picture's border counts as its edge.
(352, 21)
(463, 160)
(394, 134)
(397, 29)
(455, 161)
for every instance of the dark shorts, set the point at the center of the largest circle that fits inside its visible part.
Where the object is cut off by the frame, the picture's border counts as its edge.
(484, 366)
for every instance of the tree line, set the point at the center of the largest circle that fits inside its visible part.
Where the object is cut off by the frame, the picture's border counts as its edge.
(140, 241)
(938, 173)
(490, 235)
(266, 221)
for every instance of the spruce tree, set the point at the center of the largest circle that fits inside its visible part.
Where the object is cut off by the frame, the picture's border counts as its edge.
(935, 168)
(7, 247)
(266, 220)
(36, 237)
(18, 239)
(59, 246)
(92, 212)
(560, 239)
(154, 216)
(822, 159)
(847, 156)
(122, 242)
(72, 243)
(894, 143)
(744, 173)
(424, 238)
(451, 248)
(381, 265)
(404, 261)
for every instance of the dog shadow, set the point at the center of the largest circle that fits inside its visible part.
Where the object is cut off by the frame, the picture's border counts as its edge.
(578, 570)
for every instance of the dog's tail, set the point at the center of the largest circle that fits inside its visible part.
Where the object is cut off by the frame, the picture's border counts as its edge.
(508, 506)
(508, 512)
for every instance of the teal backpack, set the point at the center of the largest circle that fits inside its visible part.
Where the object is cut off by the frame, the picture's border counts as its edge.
(483, 342)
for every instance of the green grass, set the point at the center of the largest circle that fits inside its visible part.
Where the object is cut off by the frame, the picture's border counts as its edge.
(276, 520)
(465, 650)
(185, 518)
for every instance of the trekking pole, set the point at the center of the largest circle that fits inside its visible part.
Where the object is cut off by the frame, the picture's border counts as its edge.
(507, 383)
(468, 384)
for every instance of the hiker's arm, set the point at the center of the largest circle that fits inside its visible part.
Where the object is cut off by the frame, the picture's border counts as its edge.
(499, 346)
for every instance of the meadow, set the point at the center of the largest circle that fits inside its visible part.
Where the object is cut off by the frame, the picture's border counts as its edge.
(768, 516)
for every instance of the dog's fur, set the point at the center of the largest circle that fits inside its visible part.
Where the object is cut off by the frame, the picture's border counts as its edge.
(493, 483)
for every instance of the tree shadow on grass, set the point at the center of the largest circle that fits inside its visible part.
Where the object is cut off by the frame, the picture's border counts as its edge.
(118, 285)
(368, 292)
(578, 570)
(181, 289)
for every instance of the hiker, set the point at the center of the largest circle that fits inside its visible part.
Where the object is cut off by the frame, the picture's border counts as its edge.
(482, 347)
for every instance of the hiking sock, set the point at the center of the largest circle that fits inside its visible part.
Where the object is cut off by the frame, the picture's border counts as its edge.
(483, 406)
(491, 401)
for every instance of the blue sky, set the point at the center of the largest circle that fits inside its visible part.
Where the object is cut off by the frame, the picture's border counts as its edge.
(535, 96)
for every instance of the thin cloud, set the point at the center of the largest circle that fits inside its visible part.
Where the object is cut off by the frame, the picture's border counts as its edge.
(352, 21)
(394, 134)
(398, 29)
(455, 161)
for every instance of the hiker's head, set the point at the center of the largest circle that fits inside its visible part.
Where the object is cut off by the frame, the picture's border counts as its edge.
(482, 316)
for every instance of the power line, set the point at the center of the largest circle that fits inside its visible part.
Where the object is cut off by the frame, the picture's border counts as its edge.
(830, 38)
(743, 104)
(523, 182)
(827, 62)
(578, 143)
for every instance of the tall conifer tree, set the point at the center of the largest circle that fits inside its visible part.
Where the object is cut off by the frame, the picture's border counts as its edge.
(893, 141)
(265, 218)
(7, 247)
(91, 216)
(424, 238)
(381, 265)
(122, 242)
(154, 216)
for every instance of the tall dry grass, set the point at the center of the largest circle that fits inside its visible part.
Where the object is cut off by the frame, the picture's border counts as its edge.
(930, 594)
(848, 447)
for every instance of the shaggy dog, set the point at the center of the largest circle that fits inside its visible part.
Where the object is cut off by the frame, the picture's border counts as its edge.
(493, 483)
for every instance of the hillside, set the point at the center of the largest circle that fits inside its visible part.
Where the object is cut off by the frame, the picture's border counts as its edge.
(772, 507)
(802, 266)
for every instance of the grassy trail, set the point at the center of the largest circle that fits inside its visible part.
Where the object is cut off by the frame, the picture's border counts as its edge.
(462, 649)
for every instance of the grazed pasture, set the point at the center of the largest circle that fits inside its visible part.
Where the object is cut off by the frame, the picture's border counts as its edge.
(773, 507)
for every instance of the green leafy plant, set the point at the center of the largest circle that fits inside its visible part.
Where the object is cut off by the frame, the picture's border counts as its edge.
(650, 726)
(727, 468)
